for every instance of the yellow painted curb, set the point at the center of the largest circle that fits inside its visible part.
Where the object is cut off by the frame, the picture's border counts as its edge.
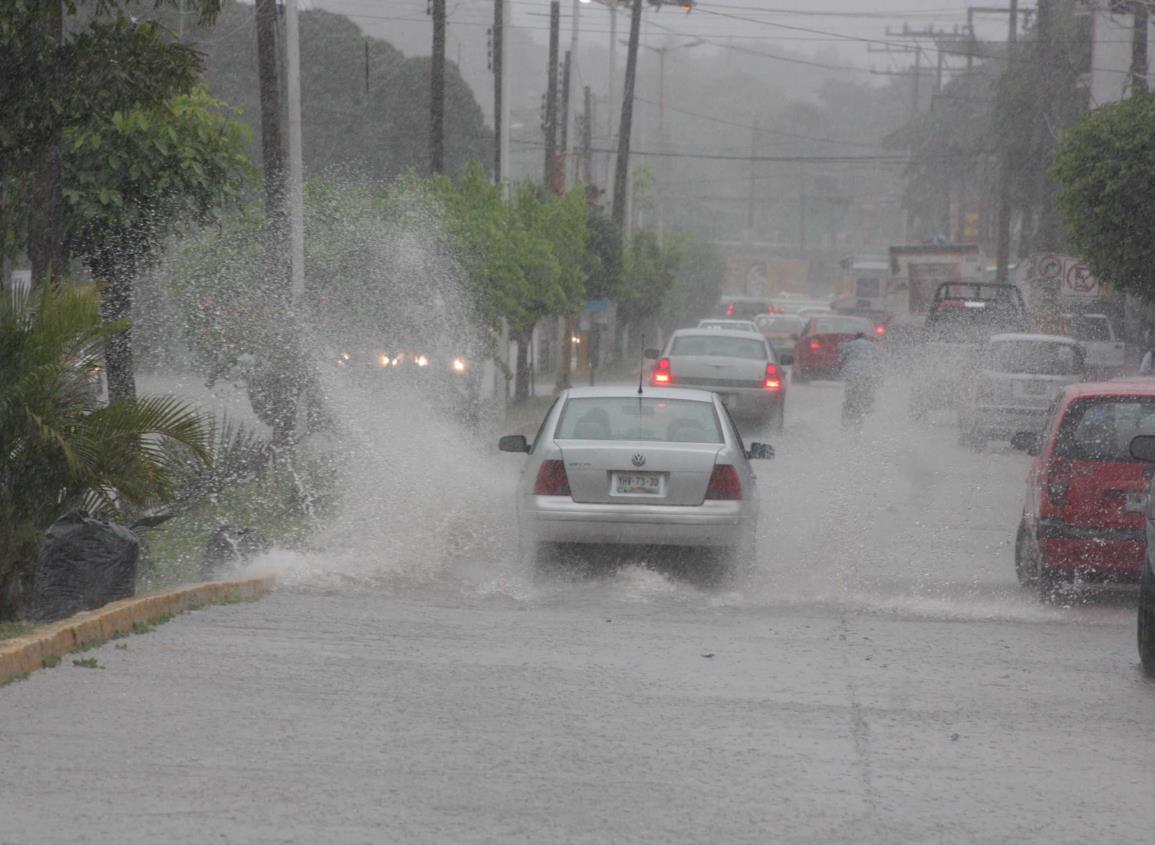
(27, 653)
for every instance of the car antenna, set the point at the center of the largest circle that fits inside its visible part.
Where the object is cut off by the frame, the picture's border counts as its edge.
(642, 366)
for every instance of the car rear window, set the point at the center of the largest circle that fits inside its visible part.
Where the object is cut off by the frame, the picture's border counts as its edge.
(731, 325)
(1090, 328)
(639, 418)
(713, 346)
(786, 324)
(744, 308)
(1102, 429)
(841, 325)
(1035, 357)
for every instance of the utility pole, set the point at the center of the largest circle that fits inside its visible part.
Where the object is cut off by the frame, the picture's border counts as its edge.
(563, 157)
(437, 92)
(1006, 169)
(272, 151)
(551, 94)
(498, 60)
(914, 80)
(296, 205)
(622, 168)
(587, 169)
(1047, 230)
(750, 198)
(1139, 47)
(570, 92)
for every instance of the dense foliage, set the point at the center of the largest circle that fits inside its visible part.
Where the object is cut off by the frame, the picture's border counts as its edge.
(1106, 169)
(62, 449)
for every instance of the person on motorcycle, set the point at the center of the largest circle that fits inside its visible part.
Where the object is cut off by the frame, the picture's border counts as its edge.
(860, 366)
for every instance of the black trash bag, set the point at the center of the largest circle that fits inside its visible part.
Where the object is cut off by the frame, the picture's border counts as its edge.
(85, 563)
(230, 547)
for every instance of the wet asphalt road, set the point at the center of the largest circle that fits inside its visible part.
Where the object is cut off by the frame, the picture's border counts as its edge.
(878, 677)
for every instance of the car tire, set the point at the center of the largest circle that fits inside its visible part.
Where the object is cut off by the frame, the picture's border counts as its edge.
(1026, 561)
(1049, 584)
(1146, 621)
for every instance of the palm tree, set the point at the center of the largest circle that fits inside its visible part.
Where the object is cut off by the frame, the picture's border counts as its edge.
(60, 448)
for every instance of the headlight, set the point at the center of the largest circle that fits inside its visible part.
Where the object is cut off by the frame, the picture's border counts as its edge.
(383, 360)
(422, 361)
(459, 365)
(343, 359)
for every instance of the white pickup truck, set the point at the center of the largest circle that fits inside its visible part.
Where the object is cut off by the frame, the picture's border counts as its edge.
(1105, 353)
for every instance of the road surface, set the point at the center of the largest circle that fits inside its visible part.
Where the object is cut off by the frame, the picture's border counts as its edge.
(878, 677)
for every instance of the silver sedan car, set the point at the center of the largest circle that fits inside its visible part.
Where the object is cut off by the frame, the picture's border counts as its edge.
(615, 465)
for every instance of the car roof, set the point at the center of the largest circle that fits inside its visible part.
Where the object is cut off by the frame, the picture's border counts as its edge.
(1035, 338)
(1132, 386)
(717, 333)
(618, 391)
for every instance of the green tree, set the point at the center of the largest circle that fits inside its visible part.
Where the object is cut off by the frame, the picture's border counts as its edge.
(648, 270)
(59, 68)
(130, 180)
(1105, 167)
(697, 284)
(62, 450)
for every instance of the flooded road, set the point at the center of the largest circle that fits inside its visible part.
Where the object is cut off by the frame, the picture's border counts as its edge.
(877, 676)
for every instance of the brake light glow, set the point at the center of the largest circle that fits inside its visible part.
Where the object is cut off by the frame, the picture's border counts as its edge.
(730, 309)
(880, 329)
(662, 374)
(773, 378)
(551, 479)
(816, 344)
(724, 483)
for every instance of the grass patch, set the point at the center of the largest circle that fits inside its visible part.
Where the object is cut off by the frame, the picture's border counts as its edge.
(50, 662)
(8, 630)
(87, 663)
(269, 503)
(23, 676)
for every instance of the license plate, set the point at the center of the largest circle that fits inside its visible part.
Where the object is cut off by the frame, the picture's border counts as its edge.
(638, 483)
(1137, 502)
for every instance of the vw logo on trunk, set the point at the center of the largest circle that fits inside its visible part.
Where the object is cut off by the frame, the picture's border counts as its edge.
(639, 460)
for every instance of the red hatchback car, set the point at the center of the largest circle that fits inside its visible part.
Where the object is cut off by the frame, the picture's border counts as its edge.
(817, 352)
(1086, 495)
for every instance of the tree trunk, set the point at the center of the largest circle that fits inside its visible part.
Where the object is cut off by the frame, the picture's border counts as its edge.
(46, 251)
(521, 375)
(116, 304)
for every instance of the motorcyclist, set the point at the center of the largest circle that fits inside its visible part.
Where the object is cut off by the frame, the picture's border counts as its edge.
(860, 367)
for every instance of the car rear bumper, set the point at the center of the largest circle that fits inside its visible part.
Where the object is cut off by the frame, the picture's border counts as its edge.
(1008, 421)
(1109, 551)
(559, 519)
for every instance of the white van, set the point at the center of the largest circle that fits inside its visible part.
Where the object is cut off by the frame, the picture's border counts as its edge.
(1105, 353)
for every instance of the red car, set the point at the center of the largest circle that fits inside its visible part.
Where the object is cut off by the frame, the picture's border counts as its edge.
(1086, 495)
(817, 352)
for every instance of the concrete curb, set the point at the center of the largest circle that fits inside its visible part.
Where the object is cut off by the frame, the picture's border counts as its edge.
(27, 653)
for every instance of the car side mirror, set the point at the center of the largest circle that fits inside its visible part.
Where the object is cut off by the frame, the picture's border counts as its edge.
(513, 443)
(764, 451)
(653, 354)
(1029, 442)
(1143, 448)
(786, 358)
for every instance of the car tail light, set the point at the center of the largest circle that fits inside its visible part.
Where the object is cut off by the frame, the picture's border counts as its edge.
(551, 480)
(662, 375)
(724, 483)
(816, 344)
(773, 378)
(880, 329)
(1057, 481)
(730, 309)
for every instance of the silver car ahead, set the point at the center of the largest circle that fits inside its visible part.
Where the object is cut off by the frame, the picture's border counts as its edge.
(1014, 379)
(739, 366)
(610, 465)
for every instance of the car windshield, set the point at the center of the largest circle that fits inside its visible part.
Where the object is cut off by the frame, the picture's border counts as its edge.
(715, 346)
(639, 418)
(784, 323)
(1102, 429)
(1043, 358)
(1090, 328)
(841, 325)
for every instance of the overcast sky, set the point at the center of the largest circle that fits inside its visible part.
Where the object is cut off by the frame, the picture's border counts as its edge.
(803, 27)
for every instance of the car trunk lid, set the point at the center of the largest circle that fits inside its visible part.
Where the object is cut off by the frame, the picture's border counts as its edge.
(638, 473)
